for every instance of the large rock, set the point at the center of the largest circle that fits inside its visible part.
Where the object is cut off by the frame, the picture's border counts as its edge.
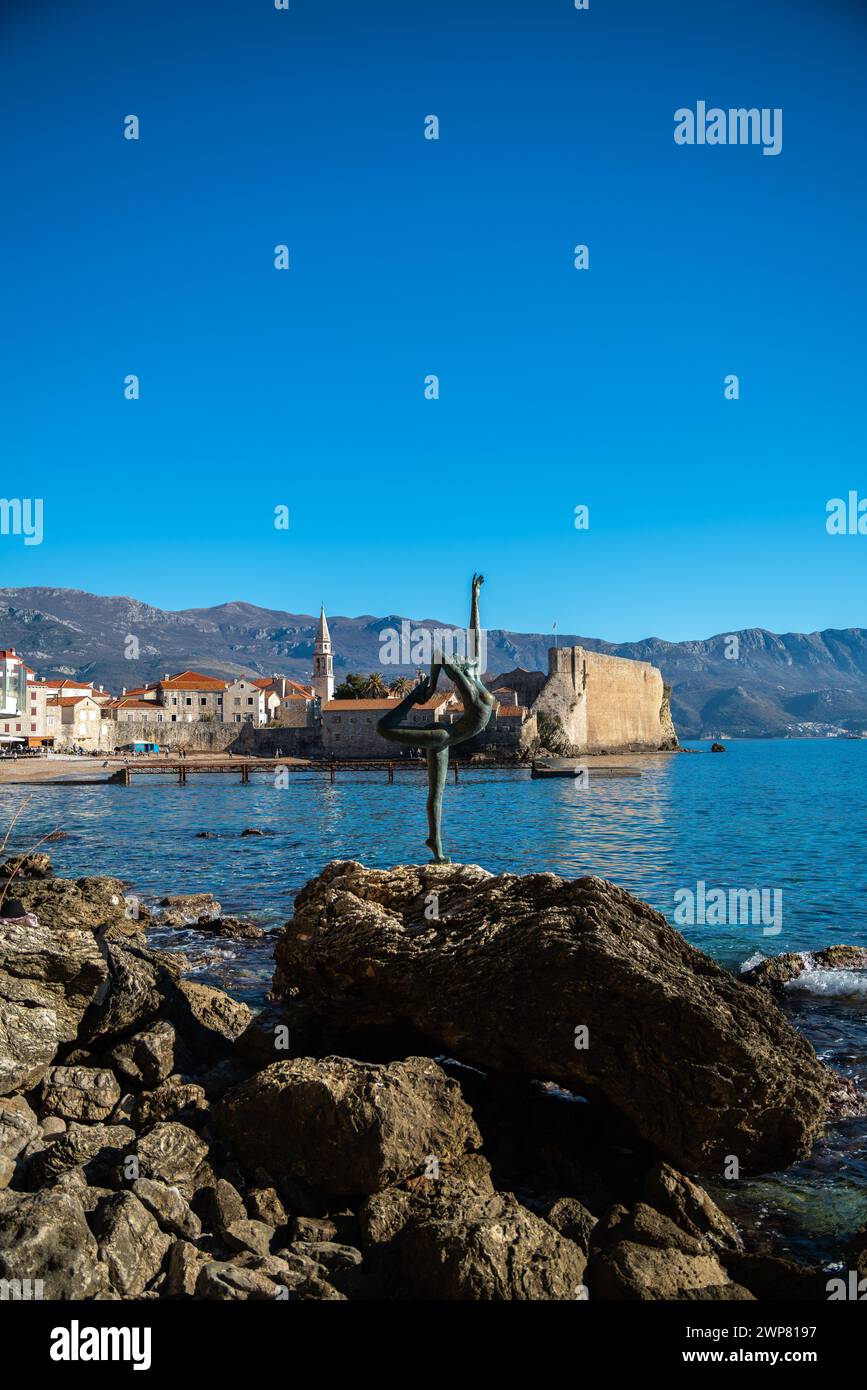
(183, 1267)
(24, 866)
(644, 1256)
(131, 1244)
(459, 1240)
(80, 1093)
(501, 1252)
(170, 1153)
(47, 980)
(345, 1127)
(18, 1127)
(46, 1236)
(148, 1057)
(173, 1100)
(776, 1279)
(185, 909)
(509, 969)
(208, 1019)
(98, 1149)
(690, 1208)
(84, 903)
(572, 1219)
(171, 1209)
(139, 980)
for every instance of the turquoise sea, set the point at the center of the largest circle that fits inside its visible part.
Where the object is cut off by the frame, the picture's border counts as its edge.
(787, 816)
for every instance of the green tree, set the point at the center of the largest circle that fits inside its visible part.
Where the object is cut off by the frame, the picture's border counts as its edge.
(353, 688)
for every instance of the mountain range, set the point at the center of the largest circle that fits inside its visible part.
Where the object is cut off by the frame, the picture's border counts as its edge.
(750, 683)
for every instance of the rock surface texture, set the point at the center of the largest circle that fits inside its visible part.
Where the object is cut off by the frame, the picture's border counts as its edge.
(348, 1127)
(410, 1118)
(510, 967)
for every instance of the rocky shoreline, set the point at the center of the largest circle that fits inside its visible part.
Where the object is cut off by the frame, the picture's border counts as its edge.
(466, 1087)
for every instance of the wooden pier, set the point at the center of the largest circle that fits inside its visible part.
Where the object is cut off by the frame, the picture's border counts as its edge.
(183, 768)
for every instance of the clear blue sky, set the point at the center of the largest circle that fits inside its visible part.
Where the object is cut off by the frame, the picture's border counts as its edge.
(454, 257)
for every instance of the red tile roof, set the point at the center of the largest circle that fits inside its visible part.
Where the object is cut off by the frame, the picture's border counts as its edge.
(192, 680)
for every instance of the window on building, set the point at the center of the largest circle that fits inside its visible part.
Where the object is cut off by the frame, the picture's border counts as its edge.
(203, 700)
(189, 699)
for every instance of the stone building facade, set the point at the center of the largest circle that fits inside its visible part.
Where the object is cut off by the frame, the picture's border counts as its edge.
(349, 727)
(77, 721)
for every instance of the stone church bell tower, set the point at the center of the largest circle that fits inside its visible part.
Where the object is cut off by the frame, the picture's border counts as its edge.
(323, 661)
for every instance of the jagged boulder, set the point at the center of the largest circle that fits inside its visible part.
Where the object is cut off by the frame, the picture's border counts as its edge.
(45, 1236)
(18, 1127)
(131, 1245)
(502, 971)
(775, 972)
(173, 1100)
(345, 1127)
(691, 1208)
(572, 1219)
(47, 980)
(98, 1149)
(24, 866)
(147, 1058)
(172, 1211)
(208, 1019)
(83, 903)
(170, 1153)
(80, 1093)
(454, 1238)
(642, 1255)
(139, 980)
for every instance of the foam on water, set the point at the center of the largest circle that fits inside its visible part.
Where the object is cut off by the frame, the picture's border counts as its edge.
(842, 984)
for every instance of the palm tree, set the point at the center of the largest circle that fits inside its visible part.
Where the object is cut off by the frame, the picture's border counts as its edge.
(375, 687)
(402, 686)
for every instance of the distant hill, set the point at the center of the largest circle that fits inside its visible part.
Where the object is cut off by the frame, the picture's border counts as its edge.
(794, 683)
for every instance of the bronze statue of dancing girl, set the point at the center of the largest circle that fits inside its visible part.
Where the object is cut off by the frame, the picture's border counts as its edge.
(437, 739)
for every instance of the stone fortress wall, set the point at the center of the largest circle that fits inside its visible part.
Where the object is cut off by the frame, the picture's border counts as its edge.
(604, 703)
